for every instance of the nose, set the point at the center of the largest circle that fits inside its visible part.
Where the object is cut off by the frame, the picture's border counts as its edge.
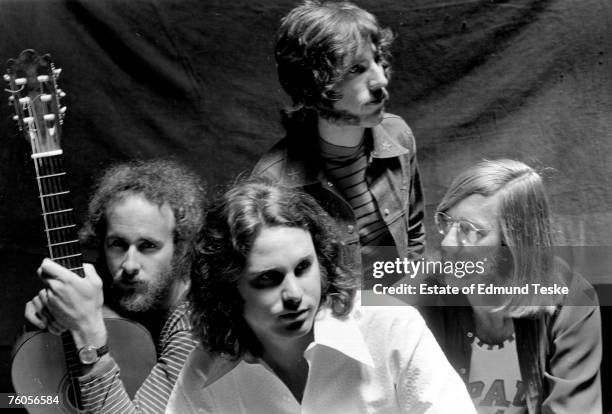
(292, 292)
(131, 264)
(378, 77)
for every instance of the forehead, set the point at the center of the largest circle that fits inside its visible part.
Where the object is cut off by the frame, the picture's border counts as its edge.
(478, 209)
(279, 246)
(134, 216)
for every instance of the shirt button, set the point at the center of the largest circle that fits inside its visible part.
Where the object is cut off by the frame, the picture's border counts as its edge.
(350, 228)
(463, 371)
(386, 211)
(470, 335)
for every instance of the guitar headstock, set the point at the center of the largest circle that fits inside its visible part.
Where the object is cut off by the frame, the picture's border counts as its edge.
(32, 83)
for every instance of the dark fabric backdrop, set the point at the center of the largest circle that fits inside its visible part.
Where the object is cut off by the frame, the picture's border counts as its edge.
(195, 79)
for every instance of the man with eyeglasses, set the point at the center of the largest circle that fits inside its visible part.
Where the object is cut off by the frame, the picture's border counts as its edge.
(517, 353)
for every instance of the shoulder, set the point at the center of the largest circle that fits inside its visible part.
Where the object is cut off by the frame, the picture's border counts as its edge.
(384, 324)
(179, 318)
(272, 162)
(397, 128)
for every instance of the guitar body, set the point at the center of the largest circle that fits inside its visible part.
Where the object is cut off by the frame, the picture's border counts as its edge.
(39, 364)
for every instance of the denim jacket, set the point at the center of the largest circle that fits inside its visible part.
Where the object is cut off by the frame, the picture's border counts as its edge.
(559, 354)
(392, 176)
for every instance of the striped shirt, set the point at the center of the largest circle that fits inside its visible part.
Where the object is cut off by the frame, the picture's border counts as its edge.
(346, 166)
(103, 392)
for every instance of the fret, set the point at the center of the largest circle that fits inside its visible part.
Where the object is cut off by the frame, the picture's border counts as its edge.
(55, 202)
(61, 228)
(71, 262)
(53, 183)
(58, 212)
(62, 243)
(66, 257)
(62, 234)
(65, 250)
(59, 218)
(42, 177)
(55, 194)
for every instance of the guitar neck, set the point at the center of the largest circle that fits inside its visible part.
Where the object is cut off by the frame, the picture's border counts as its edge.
(57, 211)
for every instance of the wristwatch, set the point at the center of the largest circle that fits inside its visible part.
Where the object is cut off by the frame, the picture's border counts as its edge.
(90, 354)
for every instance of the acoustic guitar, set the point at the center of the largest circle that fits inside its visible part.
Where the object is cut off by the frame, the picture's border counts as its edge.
(45, 364)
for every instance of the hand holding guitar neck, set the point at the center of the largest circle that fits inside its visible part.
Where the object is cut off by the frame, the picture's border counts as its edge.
(70, 302)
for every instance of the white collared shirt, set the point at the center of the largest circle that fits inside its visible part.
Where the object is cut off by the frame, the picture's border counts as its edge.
(378, 360)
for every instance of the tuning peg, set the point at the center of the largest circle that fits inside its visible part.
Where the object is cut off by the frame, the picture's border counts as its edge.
(57, 72)
(45, 97)
(49, 117)
(62, 110)
(11, 99)
(61, 93)
(25, 100)
(7, 77)
(28, 119)
(15, 118)
(42, 78)
(21, 81)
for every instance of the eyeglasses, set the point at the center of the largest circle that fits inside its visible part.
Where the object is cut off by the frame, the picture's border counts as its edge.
(468, 232)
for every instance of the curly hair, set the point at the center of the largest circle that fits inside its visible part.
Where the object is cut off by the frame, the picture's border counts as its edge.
(221, 251)
(160, 182)
(315, 47)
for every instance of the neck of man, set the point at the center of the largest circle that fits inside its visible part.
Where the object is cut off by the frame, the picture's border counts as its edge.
(338, 133)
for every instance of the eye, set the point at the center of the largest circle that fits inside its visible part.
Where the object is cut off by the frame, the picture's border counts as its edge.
(303, 267)
(116, 244)
(357, 69)
(147, 245)
(267, 279)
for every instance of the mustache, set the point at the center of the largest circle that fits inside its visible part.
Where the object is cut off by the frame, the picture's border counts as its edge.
(379, 95)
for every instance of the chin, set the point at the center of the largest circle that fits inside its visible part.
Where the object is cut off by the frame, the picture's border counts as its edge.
(372, 120)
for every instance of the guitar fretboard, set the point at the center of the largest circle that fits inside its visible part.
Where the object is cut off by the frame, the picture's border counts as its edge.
(57, 211)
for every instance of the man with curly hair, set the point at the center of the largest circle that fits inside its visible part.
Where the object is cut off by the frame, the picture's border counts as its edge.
(143, 217)
(341, 146)
(281, 328)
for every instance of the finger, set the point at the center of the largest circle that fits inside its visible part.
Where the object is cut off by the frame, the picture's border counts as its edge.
(31, 314)
(56, 328)
(52, 270)
(91, 275)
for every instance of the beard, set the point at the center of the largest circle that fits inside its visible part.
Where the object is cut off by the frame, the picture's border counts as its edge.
(147, 296)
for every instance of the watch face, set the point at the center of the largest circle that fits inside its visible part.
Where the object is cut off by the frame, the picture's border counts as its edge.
(88, 355)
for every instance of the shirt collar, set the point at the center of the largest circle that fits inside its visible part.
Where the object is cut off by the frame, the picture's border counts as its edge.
(341, 335)
(383, 145)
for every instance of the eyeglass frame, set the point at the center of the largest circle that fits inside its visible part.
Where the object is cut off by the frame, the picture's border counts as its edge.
(465, 237)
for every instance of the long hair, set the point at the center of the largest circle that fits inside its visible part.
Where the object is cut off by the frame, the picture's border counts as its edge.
(524, 220)
(315, 46)
(230, 229)
(158, 181)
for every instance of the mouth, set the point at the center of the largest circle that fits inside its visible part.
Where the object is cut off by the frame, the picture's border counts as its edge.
(377, 102)
(293, 316)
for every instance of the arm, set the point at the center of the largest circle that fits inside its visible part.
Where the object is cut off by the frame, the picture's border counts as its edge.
(103, 391)
(416, 227)
(74, 303)
(573, 379)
